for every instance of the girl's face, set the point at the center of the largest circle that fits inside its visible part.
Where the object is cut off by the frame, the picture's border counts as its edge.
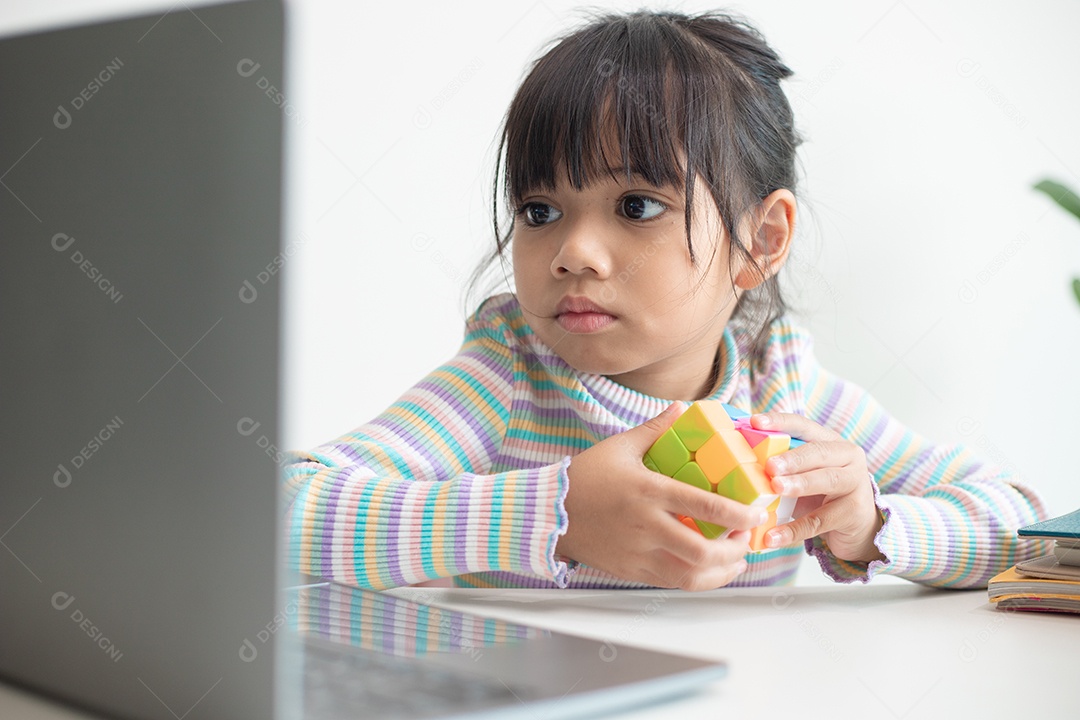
(622, 247)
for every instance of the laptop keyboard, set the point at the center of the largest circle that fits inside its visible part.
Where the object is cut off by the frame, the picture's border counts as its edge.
(344, 682)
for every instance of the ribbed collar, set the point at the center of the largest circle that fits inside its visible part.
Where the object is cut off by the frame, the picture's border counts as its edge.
(629, 407)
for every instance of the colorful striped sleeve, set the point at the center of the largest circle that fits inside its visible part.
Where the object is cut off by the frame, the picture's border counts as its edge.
(950, 519)
(407, 497)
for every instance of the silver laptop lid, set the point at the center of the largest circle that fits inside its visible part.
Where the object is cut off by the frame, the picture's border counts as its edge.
(369, 654)
(140, 164)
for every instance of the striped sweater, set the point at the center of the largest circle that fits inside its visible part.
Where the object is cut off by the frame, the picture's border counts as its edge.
(464, 476)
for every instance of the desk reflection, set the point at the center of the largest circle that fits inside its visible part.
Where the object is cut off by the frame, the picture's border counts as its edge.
(393, 625)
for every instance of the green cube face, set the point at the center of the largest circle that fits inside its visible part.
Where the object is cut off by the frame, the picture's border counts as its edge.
(700, 422)
(746, 483)
(691, 474)
(669, 453)
(691, 429)
(736, 486)
(709, 530)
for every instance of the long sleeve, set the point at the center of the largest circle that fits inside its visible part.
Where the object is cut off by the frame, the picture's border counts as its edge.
(407, 496)
(950, 519)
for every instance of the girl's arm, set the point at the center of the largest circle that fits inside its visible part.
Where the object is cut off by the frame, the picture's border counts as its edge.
(407, 497)
(950, 520)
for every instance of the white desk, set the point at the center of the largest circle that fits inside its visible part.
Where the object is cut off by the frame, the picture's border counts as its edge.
(889, 649)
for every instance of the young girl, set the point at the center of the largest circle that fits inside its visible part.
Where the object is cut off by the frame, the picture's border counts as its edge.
(649, 163)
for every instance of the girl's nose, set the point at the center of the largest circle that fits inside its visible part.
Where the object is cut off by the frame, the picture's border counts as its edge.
(581, 250)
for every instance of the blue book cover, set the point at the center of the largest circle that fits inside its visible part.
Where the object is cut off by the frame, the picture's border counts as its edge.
(1065, 526)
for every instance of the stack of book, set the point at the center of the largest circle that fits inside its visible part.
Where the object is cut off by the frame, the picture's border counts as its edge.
(1050, 583)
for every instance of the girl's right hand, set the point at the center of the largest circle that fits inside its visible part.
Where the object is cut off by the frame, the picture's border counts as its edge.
(622, 516)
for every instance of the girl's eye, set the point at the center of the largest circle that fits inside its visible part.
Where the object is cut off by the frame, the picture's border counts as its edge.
(536, 213)
(639, 207)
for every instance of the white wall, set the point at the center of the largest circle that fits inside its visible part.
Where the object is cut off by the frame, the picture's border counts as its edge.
(929, 270)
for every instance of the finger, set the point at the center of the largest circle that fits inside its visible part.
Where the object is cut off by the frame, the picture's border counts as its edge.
(662, 569)
(696, 551)
(827, 517)
(733, 563)
(812, 456)
(830, 481)
(715, 577)
(726, 564)
(741, 539)
(684, 543)
(650, 578)
(684, 499)
(792, 424)
(643, 436)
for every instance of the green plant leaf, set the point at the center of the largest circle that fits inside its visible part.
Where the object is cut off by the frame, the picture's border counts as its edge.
(1060, 194)
(1076, 289)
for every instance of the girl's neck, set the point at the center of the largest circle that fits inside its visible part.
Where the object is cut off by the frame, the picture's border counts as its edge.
(714, 376)
(674, 379)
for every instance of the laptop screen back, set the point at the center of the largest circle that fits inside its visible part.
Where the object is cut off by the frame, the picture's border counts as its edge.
(140, 216)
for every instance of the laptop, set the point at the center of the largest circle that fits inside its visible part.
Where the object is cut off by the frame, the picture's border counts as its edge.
(419, 661)
(141, 210)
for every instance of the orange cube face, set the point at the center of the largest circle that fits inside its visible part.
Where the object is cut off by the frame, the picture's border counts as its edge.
(689, 522)
(706, 449)
(771, 445)
(723, 452)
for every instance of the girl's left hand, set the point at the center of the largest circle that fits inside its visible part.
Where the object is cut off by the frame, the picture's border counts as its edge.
(828, 474)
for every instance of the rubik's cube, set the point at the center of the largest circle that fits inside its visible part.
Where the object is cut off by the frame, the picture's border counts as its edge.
(713, 447)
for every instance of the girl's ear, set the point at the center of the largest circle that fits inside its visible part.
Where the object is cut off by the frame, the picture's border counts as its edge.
(772, 230)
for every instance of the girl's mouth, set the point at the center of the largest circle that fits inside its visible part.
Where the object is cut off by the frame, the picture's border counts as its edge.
(584, 322)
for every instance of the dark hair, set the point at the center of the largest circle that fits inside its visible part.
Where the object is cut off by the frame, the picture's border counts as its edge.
(706, 85)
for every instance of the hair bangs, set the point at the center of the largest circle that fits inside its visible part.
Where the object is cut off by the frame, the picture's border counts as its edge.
(608, 104)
